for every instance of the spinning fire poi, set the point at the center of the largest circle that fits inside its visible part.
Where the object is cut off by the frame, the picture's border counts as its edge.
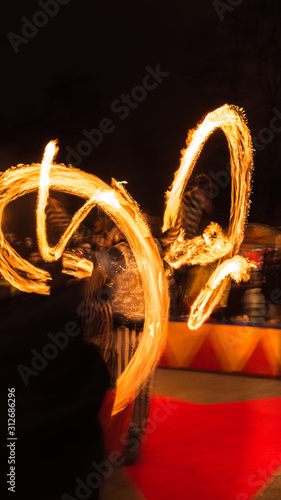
(213, 245)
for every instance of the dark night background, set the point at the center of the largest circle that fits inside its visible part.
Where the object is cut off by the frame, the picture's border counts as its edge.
(66, 77)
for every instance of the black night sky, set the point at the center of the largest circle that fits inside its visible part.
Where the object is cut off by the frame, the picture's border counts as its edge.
(70, 67)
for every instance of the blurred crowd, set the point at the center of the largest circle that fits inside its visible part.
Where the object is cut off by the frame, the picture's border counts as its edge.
(255, 301)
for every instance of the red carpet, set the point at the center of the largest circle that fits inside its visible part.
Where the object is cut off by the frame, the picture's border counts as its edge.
(209, 452)
(115, 429)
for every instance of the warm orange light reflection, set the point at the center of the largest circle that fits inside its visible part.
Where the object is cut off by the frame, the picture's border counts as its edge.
(213, 244)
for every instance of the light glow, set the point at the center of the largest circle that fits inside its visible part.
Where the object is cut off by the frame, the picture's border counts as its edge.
(213, 245)
(118, 205)
(123, 210)
(238, 268)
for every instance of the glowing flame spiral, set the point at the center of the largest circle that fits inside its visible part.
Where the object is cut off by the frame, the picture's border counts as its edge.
(213, 244)
(118, 204)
